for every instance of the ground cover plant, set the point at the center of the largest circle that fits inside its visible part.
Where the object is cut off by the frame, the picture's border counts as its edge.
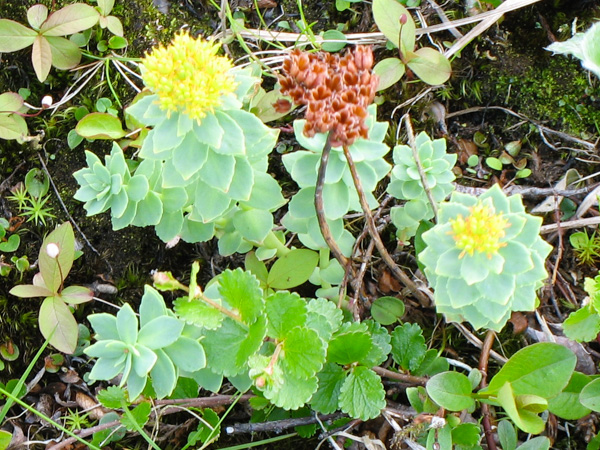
(244, 224)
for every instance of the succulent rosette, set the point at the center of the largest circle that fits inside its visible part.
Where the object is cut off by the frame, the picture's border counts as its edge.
(484, 258)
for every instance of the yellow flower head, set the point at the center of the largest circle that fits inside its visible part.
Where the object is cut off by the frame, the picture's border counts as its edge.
(188, 76)
(480, 231)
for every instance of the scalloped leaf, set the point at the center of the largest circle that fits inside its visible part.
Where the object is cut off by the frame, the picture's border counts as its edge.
(362, 395)
(241, 290)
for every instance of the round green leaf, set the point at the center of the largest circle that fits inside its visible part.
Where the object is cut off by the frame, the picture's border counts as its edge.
(430, 66)
(292, 269)
(100, 126)
(334, 41)
(590, 395)
(387, 310)
(390, 71)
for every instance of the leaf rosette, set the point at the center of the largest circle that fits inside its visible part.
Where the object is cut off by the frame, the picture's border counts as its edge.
(406, 183)
(484, 258)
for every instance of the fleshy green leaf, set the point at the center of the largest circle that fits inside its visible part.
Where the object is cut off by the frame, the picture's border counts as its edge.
(163, 374)
(160, 332)
(387, 310)
(362, 395)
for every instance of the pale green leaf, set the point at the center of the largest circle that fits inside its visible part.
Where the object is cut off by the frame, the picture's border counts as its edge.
(140, 414)
(526, 420)
(65, 53)
(55, 270)
(590, 395)
(292, 393)
(100, 126)
(163, 375)
(362, 395)
(387, 14)
(390, 71)
(10, 102)
(567, 405)
(58, 325)
(12, 127)
(387, 310)
(70, 20)
(41, 57)
(430, 66)
(582, 325)
(254, 224)
(160, 332)
(348, 347)
(14, 36)
(187, 354)
(451, 390)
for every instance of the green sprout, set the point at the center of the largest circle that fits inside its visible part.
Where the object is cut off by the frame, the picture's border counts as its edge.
(586, 248)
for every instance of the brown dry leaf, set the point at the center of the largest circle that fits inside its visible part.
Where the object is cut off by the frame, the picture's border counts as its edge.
(87, 403)
(465, 150)
(387, 283)
(519, 322)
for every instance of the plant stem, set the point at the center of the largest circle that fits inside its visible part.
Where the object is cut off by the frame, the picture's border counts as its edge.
(399, 273)
(485, 408)
(402, 377)
(319, 207)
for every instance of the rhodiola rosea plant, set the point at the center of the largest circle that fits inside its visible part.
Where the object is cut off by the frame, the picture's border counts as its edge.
(203, 169)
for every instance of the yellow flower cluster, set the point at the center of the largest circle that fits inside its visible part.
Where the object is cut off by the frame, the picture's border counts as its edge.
(188, 76)
(480, 232)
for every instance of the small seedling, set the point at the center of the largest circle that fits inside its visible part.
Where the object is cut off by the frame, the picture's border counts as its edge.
(586, 248)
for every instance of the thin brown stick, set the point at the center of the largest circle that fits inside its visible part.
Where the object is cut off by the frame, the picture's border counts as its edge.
(319, 207)
(402, 377)
(398, 273)
(485, 408)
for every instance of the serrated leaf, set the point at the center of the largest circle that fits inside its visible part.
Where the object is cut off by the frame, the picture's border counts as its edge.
(292, 393)
(349, 347)
(542, 369)
(112, 397)
(303, 353)
(285, 311)
(582, 325)
(198, 313)
(140, 414)
(324, 317)
(331, 378)
(241, 290)
(381, 347)
(362, 395)
(408, 346)
(293, 269)
(229, 347)
(451, 390)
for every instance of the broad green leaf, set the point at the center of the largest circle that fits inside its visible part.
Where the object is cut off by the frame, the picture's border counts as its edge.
(140, 414)
(430, 66)
(198, 313)
(408, 346)
(70, 20)
(256, 267)
(14, 36)
(349, 347)
(160, 332)
(190, 156)
(218, 170)
(362, 395)
(58, 325)
(536, 443)
(5, 438)
(11, 244)
(467, 435)
(542, 369)
(333, 41)
(12, 127)
(143, 359)
(41, 57)
(451, 390)
(387, 310)
(65, 53)
(151, 306)
(209, 131)
(149, 210)
(10, 102)
(293, 269)
(303, 353)
(100, 126)
(285, 311)
(582, 325)
(390, 71)
(507, 435)
(116, 27)
(30, 291)
(387, 14)
(105, 6)
(229, 347)
(55, 270)
(75, 295)
(590, 395)
(331, 378)
(241, 290)
(36, 15)
(526, 420)
(233, 142)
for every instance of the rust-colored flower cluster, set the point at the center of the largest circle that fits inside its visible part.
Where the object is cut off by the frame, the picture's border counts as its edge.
(337, 91)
